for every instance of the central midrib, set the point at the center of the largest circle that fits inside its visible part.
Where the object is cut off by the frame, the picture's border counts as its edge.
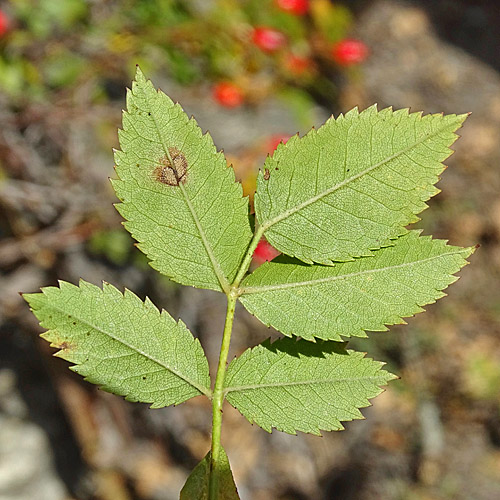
(195, 385)
(282, 286)
(215, 264)
(302, 382)
(345, 182)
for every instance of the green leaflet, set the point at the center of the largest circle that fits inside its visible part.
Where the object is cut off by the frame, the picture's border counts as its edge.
(303, 386)
(124, 345)
(348, 298)
(196, 487)
(354, 184)
(179, 198)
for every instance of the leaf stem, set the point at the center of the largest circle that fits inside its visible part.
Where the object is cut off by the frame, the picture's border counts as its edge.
(259, 231)
(219, 393)
(218, 398)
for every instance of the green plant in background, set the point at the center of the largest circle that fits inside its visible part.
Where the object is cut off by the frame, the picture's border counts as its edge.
(335, 203)
(254, 48)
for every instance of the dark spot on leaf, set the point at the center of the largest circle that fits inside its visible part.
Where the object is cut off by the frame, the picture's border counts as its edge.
(266, 174)
(149, 114)
(65, 346)
(143, 378)
(348, 169)
(138, 165)
(172, 171)
(276, 168)
(74, 322)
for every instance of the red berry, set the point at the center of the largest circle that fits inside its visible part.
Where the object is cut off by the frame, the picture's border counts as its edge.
(349, 51)
(228, 94)
(264, 252)
(298, 65)
(268, 39)
(296, 7)
(275, 140)
(4, 23)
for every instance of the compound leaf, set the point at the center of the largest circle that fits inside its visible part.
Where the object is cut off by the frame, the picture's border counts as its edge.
(303, 386)
(348, 298)
(124, 345)
(179, 197)
(197, 484)
(352, 186)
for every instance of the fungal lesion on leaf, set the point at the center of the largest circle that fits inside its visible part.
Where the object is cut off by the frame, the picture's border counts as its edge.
(172, 169)
(63, 346)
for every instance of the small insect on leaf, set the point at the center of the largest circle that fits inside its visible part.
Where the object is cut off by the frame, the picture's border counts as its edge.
(266, 174)
(173, 170)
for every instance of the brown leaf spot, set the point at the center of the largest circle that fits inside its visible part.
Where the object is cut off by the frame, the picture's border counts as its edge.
(266, 174)
(64, 346)
(172, 172)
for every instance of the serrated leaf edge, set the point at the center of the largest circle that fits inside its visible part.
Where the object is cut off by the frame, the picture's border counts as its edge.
(287, 213)
(465, 252)
(222, 278)
(267, 288)
(147, 302)
(317, 431)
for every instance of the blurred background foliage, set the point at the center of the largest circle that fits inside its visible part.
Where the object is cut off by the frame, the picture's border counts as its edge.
(260, 46)
(253, 72)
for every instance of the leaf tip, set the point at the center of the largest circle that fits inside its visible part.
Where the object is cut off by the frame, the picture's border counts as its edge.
(81, 283)
(139, 75)
(464, 116)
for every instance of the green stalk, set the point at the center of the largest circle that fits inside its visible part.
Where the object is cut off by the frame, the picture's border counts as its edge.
(218, 398)
(218, 393)
(259, 231)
